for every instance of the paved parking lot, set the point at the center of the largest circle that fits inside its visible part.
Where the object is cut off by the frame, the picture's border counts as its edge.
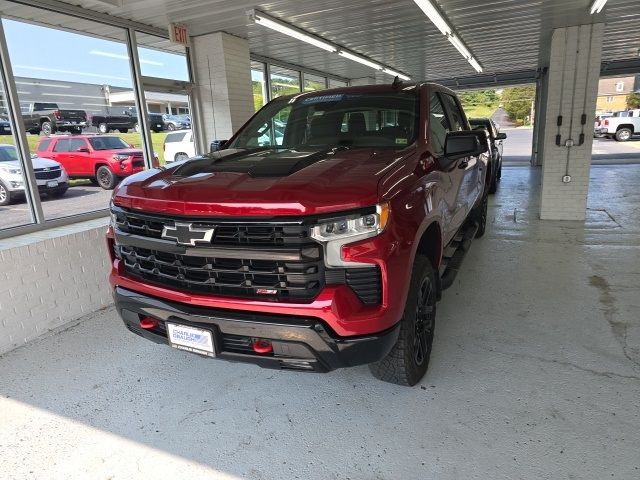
(78, 199)
(517, 149)
(535, 375)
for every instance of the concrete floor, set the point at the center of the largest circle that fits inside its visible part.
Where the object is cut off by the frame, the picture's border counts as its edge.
(535, 375)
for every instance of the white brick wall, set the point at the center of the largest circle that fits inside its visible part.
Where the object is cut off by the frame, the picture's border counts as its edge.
(51, 278)
(225, 97)
(574, 67)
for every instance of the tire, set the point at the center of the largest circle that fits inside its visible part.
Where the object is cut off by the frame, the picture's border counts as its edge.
(479, 214)
(623, 134)
(171, 127)
(500, 171)
(103, 128)
(47, 128)
(180, 156)
(106, 178)
(493, 186)
(408, 360)
(94, 181)
(123, 130)
(5, 195)
(76, 131)
(59, 193)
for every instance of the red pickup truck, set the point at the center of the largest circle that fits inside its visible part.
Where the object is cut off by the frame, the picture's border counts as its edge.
(320, 236)
(104, 159)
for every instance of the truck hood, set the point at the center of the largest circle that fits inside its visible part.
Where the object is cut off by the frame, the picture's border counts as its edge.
(262, 183)
(37, 163)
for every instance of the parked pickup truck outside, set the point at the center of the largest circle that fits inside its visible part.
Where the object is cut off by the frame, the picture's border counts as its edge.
(47, 118)
(622, 125)
(128, 120)
(327, 247)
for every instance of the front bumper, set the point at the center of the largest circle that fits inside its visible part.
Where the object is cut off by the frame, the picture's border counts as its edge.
(299, 343)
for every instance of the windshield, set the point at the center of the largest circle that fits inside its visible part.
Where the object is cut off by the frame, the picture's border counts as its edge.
(334, 120)
(108, 143)
(8, 154)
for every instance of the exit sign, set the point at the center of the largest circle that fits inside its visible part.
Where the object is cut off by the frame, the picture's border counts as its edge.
(178, 34)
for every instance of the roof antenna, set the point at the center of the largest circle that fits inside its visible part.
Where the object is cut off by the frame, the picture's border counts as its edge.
(397, 83)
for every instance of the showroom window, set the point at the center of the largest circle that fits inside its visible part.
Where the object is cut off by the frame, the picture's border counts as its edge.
(314, 82)
(64, 95)
(259, 85)
(57, 174)
(333, 83)
(284, 81)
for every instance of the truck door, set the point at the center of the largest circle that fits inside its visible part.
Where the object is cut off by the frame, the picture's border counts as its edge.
(450, 204)
(471, 182)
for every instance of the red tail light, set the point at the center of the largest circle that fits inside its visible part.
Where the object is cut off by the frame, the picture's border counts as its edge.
(56, 114)
(605, 122)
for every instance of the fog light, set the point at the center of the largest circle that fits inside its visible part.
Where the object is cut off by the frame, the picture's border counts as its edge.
(262, 346)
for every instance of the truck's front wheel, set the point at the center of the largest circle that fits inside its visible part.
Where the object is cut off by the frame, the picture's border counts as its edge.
(106, 178)
(408, 360)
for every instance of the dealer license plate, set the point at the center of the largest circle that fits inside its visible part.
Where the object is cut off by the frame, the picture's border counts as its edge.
(52, 184)
(191, 339)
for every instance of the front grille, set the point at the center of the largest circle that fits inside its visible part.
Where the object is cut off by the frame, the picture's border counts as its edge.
(225, 233)
(300, 279)
(41, 174)
(267, 279)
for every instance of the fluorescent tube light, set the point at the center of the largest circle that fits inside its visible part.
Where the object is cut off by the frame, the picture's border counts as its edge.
(456, 42)
(474, 63)
(357, 58)
(393, 73)
(597, 6)
(434, 15)
(283, 28)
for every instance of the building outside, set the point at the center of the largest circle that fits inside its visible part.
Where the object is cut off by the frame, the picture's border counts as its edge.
(612, 93)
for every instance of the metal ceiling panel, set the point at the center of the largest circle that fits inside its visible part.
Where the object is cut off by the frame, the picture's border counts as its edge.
(504, 35)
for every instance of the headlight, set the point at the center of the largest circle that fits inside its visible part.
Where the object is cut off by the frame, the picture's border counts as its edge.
(120, 157)
(349, 229)
(14, 171)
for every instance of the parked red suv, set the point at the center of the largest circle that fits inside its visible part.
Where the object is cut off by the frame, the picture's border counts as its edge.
(320, 237)
(104, 159)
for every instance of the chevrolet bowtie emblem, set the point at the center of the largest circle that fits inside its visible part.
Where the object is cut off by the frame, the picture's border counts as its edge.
(185, 234)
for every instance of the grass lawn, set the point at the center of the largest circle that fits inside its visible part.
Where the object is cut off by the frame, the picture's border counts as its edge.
(131, 138)
(479, 111)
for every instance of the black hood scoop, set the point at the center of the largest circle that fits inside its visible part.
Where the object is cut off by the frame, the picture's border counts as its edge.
(261, 163)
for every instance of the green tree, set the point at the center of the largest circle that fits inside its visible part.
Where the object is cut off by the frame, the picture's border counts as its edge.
(479, 103)
(633, 100)
(517, 101)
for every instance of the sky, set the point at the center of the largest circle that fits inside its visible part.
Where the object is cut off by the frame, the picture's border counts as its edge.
(47, 53)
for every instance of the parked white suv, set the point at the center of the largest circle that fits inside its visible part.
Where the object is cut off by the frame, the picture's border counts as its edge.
(179, 146)
(51, 177)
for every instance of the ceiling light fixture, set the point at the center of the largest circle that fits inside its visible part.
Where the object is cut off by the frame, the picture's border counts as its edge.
(474, 63)
(441, 24)
(461, 47)
(359, 59)
(393, 73)
(597, 6)
(434, 15)
(292, 32)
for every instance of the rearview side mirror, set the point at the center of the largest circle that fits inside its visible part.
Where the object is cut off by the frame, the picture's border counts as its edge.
(501, 136)
(465, 144)
(218, 145)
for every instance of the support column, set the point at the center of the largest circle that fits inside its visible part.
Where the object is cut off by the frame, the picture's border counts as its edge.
(222, 71)
(574, 72)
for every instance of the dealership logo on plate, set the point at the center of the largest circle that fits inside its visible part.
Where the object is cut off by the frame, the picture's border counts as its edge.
(185, 234)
